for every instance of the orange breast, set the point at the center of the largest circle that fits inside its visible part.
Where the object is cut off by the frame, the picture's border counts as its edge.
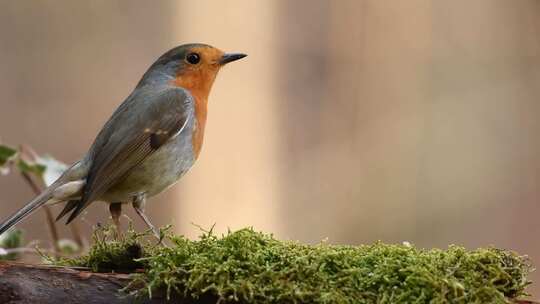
(198, 132)
(198, 83)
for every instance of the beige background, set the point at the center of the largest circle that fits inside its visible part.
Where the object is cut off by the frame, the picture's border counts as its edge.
(354, 121)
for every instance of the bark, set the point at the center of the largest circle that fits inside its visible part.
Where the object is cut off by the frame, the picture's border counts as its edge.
(23, 283)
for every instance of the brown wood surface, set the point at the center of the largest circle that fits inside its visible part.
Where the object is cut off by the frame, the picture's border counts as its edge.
(24, 283)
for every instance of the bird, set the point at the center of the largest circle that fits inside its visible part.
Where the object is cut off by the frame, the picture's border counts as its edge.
(151, 140)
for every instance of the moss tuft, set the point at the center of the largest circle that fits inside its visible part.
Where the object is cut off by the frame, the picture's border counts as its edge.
(110, 254)
(252, 267)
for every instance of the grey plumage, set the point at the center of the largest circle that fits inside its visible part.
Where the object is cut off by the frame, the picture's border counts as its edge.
(148, 113)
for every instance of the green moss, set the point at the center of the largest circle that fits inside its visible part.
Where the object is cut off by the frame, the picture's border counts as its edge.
(110, 254)
(253, 267)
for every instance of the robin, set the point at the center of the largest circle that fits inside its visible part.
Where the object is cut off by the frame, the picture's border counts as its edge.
(150, 141)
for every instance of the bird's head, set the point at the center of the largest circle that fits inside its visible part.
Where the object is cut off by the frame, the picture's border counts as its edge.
(193, 66)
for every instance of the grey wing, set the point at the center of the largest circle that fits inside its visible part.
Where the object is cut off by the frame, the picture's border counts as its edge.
(134, 132)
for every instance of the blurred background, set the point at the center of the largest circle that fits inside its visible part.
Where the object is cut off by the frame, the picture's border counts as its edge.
(354, 121)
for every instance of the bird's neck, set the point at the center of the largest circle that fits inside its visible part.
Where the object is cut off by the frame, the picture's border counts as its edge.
(199, 85)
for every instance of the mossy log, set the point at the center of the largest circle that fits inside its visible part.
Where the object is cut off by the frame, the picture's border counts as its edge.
(24, 283)
(246, 266)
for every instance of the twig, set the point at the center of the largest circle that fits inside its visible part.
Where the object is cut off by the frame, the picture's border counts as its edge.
(48, 214)
(74, 227)
(23, 250)
(32, 155)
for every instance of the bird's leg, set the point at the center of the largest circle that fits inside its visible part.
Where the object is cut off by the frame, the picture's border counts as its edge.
(139, 202)
(116, 212)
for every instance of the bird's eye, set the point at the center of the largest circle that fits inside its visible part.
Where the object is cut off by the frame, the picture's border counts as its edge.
(193, 58)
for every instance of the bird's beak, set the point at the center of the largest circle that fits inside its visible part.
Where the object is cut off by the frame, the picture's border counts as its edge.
(230, 57)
